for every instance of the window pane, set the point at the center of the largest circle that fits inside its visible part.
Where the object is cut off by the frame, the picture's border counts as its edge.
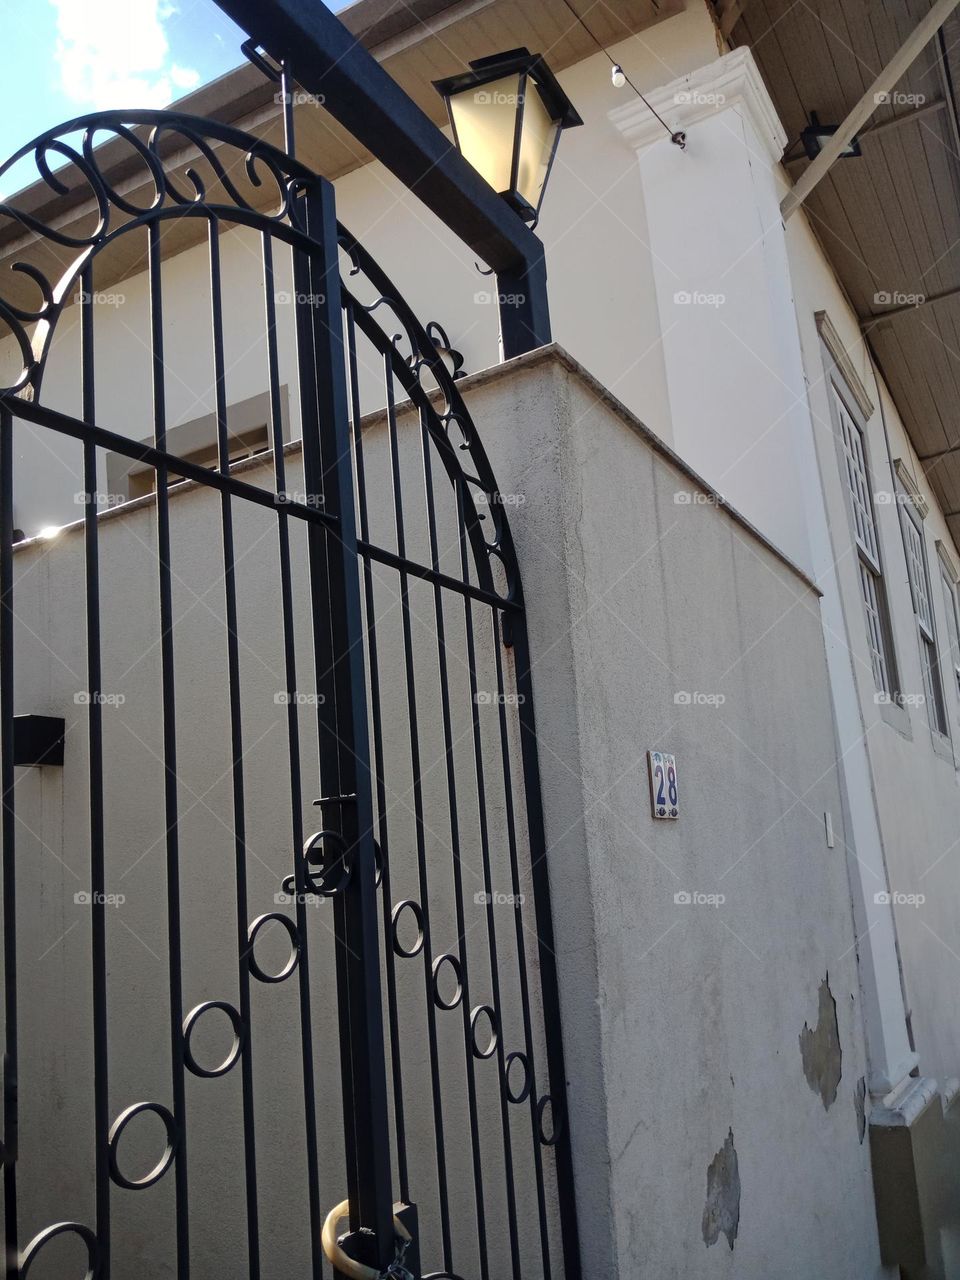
(953, 631)
(858, 483)
(868, 584)
(916, 568)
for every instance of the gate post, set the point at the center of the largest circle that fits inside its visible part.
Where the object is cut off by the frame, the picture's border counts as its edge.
(346, 803)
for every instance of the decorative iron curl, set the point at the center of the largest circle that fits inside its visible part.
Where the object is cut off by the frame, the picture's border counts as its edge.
(87, 149)
(155, 143)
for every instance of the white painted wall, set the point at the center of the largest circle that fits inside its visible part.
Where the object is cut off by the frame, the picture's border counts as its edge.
(914, 779)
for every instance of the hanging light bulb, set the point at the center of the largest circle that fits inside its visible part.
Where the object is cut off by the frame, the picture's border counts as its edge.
(617, 76)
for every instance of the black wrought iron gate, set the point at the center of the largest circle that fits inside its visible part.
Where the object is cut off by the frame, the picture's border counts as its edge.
(435, 990)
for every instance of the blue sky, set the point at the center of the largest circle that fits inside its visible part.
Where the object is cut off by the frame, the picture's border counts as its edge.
(63, 58)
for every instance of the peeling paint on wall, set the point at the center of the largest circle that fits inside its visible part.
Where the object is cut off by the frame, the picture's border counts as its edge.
(820, 1048)
(860, 1103)
(722, 1210)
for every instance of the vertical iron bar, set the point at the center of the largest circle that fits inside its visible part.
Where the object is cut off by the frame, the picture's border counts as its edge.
(95, 749)
(236, 752)
(170, 788)
(489, 888)
(379, 767)
(455, 848)
(323, 647)
(7, 782)
(521, 950)
(328, 471)
(414, 739)
(549, 983)
(293, 746)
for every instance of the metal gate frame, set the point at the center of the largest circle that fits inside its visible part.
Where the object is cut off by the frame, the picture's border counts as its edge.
(339, 562)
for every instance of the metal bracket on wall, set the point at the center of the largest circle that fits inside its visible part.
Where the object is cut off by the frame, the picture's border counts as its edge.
(38, 740)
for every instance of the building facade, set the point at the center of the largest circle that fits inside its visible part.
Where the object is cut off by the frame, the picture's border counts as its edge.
(735, 548)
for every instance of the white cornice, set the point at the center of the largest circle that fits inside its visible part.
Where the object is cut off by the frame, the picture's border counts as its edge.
(841, 358)
(733, 81)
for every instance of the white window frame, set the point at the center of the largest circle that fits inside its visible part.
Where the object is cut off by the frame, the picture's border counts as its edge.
(948, 583)
(915, 551)
(855, 463)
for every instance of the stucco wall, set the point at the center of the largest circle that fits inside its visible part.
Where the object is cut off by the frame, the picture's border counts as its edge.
(699, 1008)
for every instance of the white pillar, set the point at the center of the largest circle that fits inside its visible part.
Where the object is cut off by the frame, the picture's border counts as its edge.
(740, 414)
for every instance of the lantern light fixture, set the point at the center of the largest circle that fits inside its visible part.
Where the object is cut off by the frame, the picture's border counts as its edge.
(507, 113)
(816, 135)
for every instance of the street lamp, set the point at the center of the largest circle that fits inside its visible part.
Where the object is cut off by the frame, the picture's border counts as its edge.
(507, 113)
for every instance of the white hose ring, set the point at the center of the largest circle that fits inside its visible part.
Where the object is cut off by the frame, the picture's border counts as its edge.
(336, 1256)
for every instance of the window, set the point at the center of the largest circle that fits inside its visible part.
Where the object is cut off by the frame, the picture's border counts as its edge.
(923, 610)
(245, 445)
(868, 547)
(953, 626)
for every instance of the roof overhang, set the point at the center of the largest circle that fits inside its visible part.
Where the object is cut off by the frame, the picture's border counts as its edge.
(889, 220)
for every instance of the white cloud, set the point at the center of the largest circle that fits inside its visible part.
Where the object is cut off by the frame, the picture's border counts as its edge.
(117, 55)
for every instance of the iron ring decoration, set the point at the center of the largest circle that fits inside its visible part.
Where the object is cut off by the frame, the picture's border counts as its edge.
(165, 1161)
(527, 1082)
(408, 904)
(457, 968)
(314, 843)
(292, 934)
(238, 1036)
(341, 1262)
(556, 1116)
(491, 1048)
(60, 1229)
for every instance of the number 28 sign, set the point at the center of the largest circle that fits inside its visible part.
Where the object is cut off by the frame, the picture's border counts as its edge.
(664, 797)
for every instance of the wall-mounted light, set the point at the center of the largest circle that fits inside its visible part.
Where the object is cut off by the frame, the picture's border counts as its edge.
(507, 113)
(815, 135)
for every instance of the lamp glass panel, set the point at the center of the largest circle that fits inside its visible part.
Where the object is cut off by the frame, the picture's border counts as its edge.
(536, 146)
(485, 120)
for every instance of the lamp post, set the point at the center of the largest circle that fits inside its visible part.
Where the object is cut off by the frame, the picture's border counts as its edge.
(507, 113)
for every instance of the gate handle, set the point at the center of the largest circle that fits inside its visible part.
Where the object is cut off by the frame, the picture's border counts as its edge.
(336, 1256)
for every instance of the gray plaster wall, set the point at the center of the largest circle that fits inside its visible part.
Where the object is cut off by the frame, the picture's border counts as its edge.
(686, 1025)
(712, 1095)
